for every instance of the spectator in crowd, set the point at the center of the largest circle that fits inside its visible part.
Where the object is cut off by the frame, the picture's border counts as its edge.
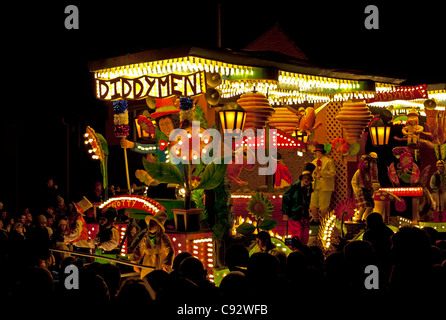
(264, 243)
(107, 237)
(379, 235)
(50, 193)
(61, 210)
(236, 258)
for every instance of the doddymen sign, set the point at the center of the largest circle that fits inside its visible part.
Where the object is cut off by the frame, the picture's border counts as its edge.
(401, 93)
(151, 86)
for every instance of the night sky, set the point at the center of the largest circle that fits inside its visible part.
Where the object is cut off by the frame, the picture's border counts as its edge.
(49, 82)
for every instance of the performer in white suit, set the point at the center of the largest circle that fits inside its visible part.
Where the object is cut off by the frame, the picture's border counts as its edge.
(323, 184)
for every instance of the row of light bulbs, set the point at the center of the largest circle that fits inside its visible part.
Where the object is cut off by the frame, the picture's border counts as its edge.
(184, 64)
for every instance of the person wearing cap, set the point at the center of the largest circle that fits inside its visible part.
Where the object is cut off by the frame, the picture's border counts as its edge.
(78, 234)
(323, 184)
(296, 204)
(155, 248)
(412, 129)
(364, 184)
(107, 237)
(438, 186)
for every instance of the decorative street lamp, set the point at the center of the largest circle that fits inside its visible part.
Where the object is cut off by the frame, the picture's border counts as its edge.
(379, 133)
(232, 117)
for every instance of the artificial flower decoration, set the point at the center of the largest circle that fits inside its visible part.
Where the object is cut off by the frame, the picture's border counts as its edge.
(406, 160)
(415, 174)
(121, 118)
(400, 206)
(260, 206)
(146, 124)
(393, 176)
(345, 209)
(340, 145)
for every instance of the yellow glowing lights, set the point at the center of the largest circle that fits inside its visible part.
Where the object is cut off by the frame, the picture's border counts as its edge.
(326, 230)
(288, 88)
(97, 152)
(177, 65)
(132, 201)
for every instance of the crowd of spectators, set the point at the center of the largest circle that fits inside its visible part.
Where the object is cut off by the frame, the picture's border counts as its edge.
(411, 266)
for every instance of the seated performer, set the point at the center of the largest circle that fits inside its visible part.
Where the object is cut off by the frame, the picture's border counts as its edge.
(155, 248)
(107, 238)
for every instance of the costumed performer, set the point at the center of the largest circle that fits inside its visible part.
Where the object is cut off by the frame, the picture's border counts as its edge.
(77, 228)
(282, 177)
(438, 186)
(155, 248)
(296, 204)
(107, 237)
(412, 129)
(323, 184)
(365, 184)
(167, 119)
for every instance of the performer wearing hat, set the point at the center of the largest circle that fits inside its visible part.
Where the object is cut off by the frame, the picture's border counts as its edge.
(296, 204)
(107, 238)
(78, 233)
(167, 119)
(323, 185)
(438, 186)
(155, 248)
(364, 184)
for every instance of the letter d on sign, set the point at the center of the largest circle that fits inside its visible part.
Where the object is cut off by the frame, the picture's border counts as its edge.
(372, 280)
(72, 280)
(371, 21)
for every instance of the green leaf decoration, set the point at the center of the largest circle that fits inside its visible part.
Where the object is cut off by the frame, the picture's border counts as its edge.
(443, 151)
(268, 224)
(246, 228)
(437, 151)
(354, 148)
(163, 172)
(212, 176)
(103, 142)
(199, 116)
(405, 177)
(327, 147)
(399, 119)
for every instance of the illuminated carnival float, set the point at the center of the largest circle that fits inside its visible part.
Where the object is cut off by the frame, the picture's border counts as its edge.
(170, 109)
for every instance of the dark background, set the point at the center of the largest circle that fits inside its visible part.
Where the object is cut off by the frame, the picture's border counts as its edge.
(49, 91)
